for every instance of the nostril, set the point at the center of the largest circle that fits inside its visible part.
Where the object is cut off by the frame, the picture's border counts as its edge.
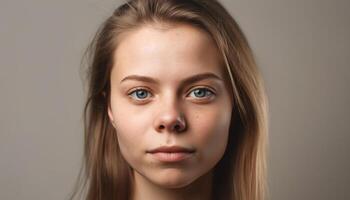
(177, 127)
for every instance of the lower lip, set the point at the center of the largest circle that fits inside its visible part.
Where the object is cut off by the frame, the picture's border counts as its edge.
(171, 157)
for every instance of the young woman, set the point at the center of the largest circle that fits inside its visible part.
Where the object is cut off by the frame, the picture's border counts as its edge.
(176, 107)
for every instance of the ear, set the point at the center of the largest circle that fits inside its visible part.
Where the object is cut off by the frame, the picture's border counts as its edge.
(110, 116)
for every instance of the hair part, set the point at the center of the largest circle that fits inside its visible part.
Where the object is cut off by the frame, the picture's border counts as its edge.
(241, 173)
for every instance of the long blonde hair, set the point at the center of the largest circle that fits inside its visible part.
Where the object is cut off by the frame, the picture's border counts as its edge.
(241, 173)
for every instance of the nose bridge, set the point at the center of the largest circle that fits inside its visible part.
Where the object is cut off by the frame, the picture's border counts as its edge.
(170, 116)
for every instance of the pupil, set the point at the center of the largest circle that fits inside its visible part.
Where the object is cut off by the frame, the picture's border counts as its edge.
(141, 94)
(199, 92)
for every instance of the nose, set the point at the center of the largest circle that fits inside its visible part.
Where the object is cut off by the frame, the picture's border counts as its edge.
(170, 119)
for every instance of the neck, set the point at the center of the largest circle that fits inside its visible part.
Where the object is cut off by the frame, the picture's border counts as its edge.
(200, 189)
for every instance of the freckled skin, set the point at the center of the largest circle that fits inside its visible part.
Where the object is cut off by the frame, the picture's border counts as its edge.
(170, 56)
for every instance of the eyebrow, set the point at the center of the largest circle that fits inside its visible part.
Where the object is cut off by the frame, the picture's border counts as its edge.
(191, 79)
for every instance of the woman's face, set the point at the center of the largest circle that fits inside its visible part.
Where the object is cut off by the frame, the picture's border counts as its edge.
(168, 89)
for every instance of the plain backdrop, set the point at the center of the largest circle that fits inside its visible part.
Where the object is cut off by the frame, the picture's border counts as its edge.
(302, 48)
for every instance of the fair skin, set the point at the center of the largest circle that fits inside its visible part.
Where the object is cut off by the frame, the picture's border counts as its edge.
(146, 114)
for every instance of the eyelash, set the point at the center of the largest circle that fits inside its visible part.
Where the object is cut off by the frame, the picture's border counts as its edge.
(206, 90)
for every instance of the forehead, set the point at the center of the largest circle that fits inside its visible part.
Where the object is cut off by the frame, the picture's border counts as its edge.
(168, 53)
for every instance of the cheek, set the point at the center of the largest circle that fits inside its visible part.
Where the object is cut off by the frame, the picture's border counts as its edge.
(131, 127)
(211, 129)
(130, 119)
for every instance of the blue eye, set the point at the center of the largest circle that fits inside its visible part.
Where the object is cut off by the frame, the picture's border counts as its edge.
(202, 92)
(199, 93)
(139, 93)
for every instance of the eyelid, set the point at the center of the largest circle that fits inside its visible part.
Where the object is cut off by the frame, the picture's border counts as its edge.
(211, 89)
(138, 88)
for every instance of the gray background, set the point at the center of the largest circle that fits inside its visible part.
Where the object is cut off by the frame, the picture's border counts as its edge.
(301, 46)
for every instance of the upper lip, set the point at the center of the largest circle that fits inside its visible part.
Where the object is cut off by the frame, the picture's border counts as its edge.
(171, 149)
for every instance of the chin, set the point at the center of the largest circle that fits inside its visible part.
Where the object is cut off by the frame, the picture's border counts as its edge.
(173, 179)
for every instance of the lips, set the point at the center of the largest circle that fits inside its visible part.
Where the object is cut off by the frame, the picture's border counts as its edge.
(171, 149)
(171, 154)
